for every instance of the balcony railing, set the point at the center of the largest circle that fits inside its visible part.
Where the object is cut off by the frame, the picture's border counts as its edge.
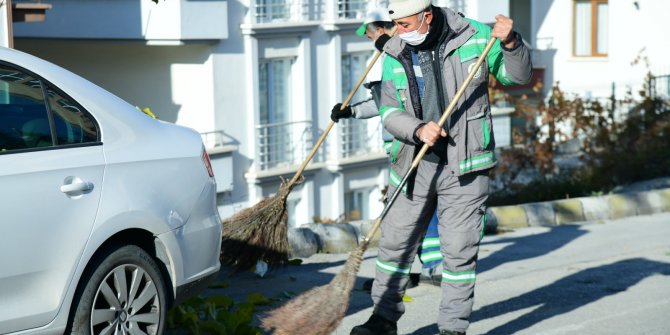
(359, 138)
(216, 139)
(273, 11)
(284, 144)
(352, 9)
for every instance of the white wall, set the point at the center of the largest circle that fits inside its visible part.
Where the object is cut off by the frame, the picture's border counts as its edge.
(175, 82)
(631, 31)
(172, 20)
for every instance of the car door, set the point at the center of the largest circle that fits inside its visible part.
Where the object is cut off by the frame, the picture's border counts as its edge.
(51, 172)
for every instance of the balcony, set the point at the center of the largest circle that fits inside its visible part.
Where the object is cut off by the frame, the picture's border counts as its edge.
(284, 145)
(352, 9)
(360, 138)
(277, 11)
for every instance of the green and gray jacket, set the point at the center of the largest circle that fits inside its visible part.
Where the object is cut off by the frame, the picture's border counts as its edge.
(470, 144)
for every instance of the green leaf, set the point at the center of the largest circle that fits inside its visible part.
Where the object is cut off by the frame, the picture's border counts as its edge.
(221, 301)
(295, 261)
(232, 320)
(224, 284)
(194, 302)
(213, 327)
(257, 299)
(247, 307)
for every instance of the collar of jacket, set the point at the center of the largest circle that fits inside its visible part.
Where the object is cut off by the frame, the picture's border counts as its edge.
(460, 26)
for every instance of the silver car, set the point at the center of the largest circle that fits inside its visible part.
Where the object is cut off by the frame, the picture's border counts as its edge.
(108, 217)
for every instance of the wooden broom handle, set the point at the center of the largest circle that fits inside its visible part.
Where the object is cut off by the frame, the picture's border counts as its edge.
(415, 163)
(322, 138)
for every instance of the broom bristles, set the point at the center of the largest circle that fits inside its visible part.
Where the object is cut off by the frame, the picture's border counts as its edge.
(258, 233)
(320, 310)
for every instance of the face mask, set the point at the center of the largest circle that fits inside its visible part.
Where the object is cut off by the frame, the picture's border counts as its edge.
(414, 37)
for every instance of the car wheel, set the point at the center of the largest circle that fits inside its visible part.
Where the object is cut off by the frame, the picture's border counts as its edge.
(124, 293)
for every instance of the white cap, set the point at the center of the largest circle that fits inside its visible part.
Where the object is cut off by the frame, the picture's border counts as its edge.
(378, 14)
(404, 8)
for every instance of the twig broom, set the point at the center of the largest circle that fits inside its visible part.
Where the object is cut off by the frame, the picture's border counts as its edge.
(260, 232)
(320, 310)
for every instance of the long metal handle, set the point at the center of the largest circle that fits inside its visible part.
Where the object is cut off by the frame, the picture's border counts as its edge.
(415, 163)
(346, 102)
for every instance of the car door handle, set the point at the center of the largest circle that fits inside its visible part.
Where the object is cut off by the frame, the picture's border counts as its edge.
(83, 186)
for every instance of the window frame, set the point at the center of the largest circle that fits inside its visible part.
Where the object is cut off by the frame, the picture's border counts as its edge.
(44, 83)
(593, 29)
(271, 93)
(351, 195)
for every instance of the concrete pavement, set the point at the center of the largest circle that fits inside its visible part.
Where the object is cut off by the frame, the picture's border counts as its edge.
(605, 277)
(343, 237)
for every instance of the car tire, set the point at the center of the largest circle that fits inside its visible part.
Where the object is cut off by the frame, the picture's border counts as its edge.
(122, 293)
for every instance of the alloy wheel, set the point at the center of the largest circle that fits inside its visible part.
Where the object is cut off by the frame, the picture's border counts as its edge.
(126, 302)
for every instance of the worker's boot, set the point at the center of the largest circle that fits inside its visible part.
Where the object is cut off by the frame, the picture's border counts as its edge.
(376, 325)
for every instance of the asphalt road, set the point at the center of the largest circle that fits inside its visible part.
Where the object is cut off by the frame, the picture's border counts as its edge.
(610, 277)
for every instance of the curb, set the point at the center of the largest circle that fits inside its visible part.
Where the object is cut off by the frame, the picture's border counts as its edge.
(576, 210)
(344, 237)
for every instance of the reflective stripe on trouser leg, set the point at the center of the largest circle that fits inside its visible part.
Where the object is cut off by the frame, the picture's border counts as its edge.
(461, 208)
(402, 231)
(430, 253)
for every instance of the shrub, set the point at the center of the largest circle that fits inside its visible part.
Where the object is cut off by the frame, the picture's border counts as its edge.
(215, 315)
(618, 142)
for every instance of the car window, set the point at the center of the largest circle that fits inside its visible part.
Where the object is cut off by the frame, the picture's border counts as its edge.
(24, 114)
(73, 124)
(24, 123)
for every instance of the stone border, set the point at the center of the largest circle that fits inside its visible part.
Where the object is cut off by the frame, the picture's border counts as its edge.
(344, 237)
(557, 212)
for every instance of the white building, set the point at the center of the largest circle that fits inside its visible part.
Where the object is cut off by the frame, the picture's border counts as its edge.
(258, 78)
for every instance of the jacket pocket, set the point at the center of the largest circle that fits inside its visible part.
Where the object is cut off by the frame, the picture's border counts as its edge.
(479, 143)
(479, 130)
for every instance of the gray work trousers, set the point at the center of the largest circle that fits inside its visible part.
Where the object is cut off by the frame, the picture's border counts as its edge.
(460, 203)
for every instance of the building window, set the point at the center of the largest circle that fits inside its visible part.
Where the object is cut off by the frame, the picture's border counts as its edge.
(275, 102)
(272, 11)
(268, 11)
(354, 132)
(357, 204)
(591, 28)
(352, 9)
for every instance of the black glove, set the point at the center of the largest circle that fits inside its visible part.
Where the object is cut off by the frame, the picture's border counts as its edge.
(381, 41)
(336, 113)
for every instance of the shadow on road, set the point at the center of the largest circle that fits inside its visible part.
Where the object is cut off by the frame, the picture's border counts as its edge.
(571, 292)
(280, 285)
(531, 246)
(284, 283)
